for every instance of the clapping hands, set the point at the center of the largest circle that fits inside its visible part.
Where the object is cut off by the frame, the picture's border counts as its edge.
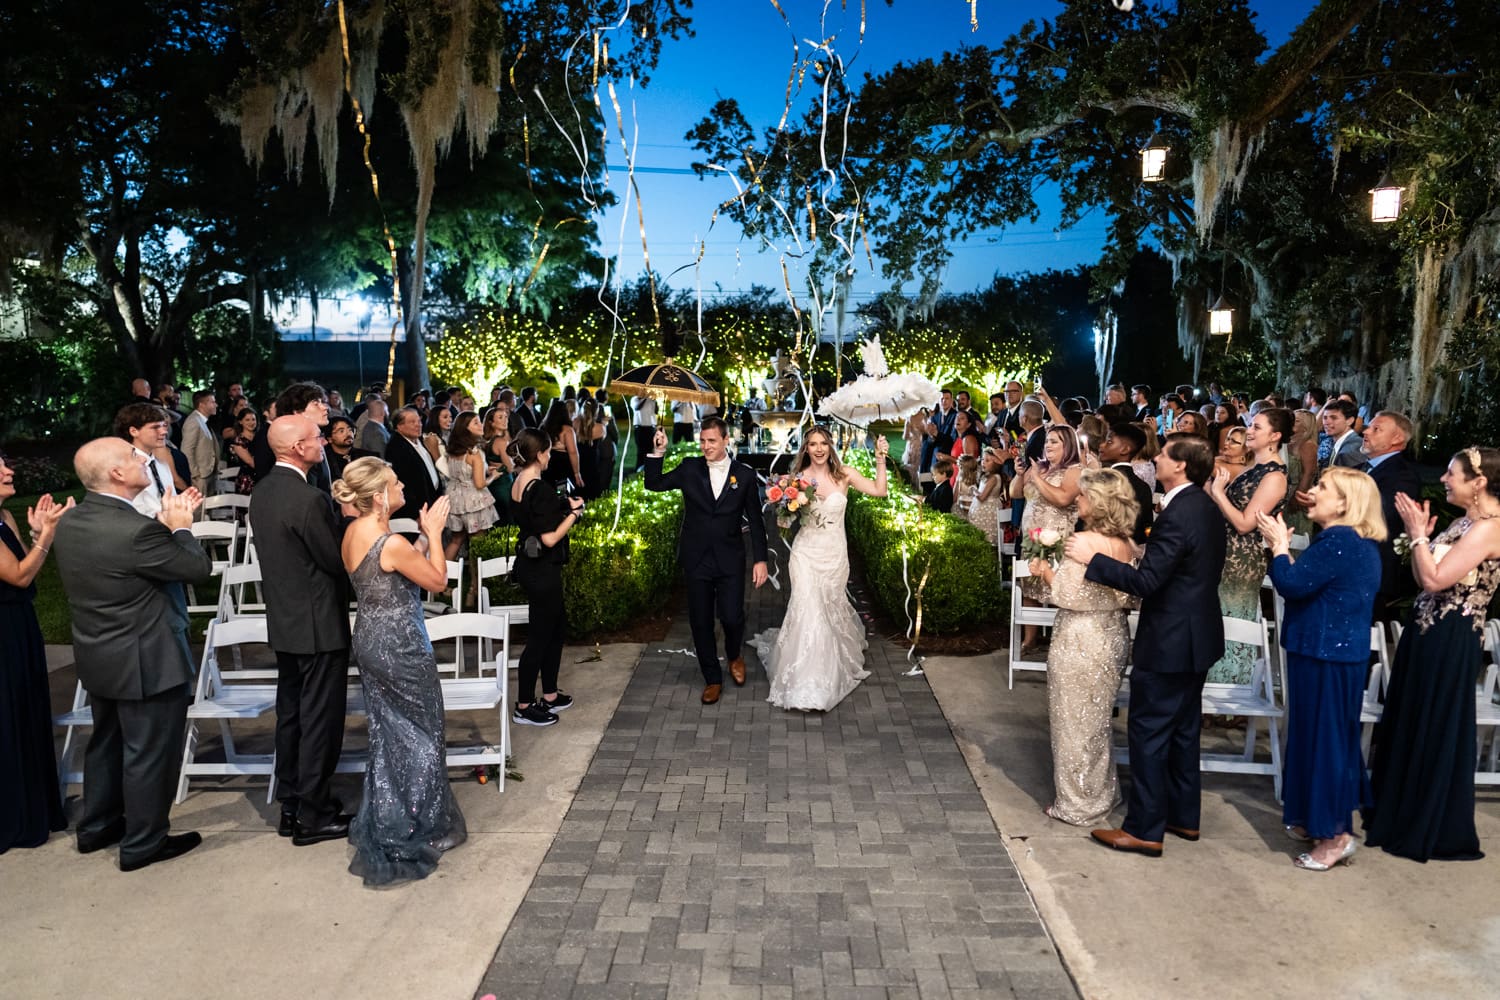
(1277, 533)
(42, 519)
(434, 518)
(1418, 518)
(177, 510)
(1218, 482)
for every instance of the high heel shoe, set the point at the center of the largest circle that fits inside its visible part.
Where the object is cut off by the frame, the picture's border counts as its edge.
(1308, 862)
(1298, 834)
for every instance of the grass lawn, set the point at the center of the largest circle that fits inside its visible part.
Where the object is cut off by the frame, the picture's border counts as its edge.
(51, 603)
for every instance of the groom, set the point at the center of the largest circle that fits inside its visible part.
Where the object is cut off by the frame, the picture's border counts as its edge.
(1179, 637)
(721, 503)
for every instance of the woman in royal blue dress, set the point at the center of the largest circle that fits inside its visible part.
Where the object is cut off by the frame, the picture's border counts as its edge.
(31, 806)
(1423, 756)
(1330, 598)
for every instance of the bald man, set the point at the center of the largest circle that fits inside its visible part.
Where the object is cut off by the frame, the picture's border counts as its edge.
(307, 623)
(123, 573)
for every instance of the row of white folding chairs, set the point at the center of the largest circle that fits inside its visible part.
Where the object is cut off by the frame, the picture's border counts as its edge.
(224, 696)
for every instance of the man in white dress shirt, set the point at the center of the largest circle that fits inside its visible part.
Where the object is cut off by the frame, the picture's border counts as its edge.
(145, 426)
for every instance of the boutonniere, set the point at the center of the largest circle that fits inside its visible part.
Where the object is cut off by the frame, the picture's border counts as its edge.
(734, 483)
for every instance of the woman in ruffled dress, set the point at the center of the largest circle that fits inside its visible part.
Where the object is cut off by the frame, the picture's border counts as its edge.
(466, 480)
(992, 497)
(1423, 757)
(1090, 643)
(1050, 487)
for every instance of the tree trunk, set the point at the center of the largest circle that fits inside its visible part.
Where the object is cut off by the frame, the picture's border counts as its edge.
(416, 347)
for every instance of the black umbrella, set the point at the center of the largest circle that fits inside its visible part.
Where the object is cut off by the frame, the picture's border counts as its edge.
(667, 380)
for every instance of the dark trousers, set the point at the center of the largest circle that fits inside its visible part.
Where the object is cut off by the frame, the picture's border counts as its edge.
(131, 767)
(644, 437)
(546, 626)
(682, 432)
(311, 702)
(723, 596)
(1164, 727)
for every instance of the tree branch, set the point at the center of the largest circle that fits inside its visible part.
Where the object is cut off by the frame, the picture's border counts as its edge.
(1014, 139)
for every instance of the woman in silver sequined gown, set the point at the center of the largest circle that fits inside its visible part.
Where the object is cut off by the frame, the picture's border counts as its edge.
(407, 817)
(1090, 644)
(817, 656)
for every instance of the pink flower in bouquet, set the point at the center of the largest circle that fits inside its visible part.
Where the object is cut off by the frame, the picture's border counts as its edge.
(793, 493)
(774, 494)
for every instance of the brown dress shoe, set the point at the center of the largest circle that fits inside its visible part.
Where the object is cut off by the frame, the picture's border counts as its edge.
(711, 693)
(737, 670)
(1122, 841)
(1181, 831)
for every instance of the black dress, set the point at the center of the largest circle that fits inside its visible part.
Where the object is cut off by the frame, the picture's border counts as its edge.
(588, 461)
(30, 800)
(1424, 751)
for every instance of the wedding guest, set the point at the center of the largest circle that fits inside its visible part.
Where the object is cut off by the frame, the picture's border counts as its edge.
(307, 626)
(340, 450)
(965, 485)
(1120, 449)
(31, 807)
(1223, 419)
(1140, 396)
(123, 574)
(642, 427)
(1329, 593)
(1179, 636)
(300, 399)
(1088, 652)
(1301, 469)
(1260, 489)
(991, 496)
(1144, 462)
(1051, 491)
(590, 433)
(435, 434)
(1423, 758)
(374, 437)
(543, 521)
(683, 415)
(1192, 422)
(527, 410)
(913, 433)
(407, 816)
(336, 404)
(420, 482)
(1385, 442)
(939, 431)
(966, 439)
(1232, 451)
(199, 443)
(1338, 424)
(563, 464)
(941, 498)
(466, 480)
(145, 426)
(496, 448)
(609, 444)
(244, 428)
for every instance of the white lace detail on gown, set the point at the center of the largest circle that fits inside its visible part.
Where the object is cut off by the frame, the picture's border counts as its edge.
(817, 656)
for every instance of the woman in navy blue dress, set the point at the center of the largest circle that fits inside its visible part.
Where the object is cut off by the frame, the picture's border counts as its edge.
(30, 800)
(1330, 599)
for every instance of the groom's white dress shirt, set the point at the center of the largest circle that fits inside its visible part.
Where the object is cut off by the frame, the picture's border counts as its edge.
(718, 474)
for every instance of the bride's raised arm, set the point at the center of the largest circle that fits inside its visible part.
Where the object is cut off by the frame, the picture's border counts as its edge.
(858, 482)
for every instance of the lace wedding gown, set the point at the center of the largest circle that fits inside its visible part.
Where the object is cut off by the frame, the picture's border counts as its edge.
(817, 655)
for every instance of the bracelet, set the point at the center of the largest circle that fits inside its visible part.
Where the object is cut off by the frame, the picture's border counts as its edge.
(1420, 541)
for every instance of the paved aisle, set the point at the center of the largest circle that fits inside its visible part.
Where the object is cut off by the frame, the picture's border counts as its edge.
(737, 850)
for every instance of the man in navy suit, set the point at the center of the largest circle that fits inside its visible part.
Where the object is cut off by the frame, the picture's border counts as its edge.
(721, 504)
(1384, 447)
(1179, 637)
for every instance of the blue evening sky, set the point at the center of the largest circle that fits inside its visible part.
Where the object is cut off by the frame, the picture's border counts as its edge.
(744, 49)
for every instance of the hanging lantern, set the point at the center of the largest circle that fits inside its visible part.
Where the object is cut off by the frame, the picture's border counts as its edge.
(1154, 159)
(1221, 318)
(1385, 200)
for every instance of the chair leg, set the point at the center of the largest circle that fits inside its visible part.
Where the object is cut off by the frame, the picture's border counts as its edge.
(189, 751)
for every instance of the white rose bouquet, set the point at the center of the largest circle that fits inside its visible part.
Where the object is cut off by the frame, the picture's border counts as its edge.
(1044, 543)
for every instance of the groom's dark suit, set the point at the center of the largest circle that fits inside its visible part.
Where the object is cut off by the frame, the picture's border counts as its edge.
(1179, 637)
(307, 625)
(711, 549)
(124, 575)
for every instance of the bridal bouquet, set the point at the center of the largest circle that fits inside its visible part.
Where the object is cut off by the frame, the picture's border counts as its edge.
(1044, 543)
(793, 499)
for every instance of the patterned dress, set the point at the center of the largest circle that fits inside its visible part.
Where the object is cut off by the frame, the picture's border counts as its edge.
(1089, 647)
(1423, 757)
(1245, 562)
(1039, 513)
(471, 508)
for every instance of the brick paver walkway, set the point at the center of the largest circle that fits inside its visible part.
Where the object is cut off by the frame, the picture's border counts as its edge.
(738, 850)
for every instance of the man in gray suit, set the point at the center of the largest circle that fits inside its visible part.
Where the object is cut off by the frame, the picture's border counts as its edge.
(123, 573)
(200, 443)
(307, 623)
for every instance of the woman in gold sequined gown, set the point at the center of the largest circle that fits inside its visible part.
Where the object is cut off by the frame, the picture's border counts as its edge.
(1090, 644)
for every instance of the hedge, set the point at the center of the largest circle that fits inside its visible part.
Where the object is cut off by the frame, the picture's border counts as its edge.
(612, 578)
(957, 559)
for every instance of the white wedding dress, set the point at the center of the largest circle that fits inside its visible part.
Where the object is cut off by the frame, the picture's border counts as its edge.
(817, 656)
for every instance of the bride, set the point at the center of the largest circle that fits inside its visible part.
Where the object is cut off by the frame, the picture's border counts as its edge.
(817, 656)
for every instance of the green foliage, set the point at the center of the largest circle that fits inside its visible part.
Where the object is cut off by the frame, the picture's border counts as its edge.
(612, 577)
(900, 542)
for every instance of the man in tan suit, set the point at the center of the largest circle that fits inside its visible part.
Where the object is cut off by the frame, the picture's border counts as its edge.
(200, 443)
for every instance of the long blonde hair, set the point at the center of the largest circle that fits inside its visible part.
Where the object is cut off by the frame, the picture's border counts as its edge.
(802, 461)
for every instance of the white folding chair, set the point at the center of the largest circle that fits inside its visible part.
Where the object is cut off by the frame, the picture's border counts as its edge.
(1487, 710)
(224, 507)
(1023, 614)
(1255, 700)
(79, 716)
(436, 606)
(218, 538)
(1373, 704)
(473, 694)
(235, 586)
(515, 614)
(215, 699)
(405, 526)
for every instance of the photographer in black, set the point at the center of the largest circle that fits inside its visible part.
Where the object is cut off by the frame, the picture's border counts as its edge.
(544, 519)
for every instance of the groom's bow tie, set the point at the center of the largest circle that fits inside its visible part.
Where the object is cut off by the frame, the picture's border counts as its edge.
(721, 464)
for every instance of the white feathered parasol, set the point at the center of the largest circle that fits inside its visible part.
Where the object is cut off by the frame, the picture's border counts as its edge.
(877, 394)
